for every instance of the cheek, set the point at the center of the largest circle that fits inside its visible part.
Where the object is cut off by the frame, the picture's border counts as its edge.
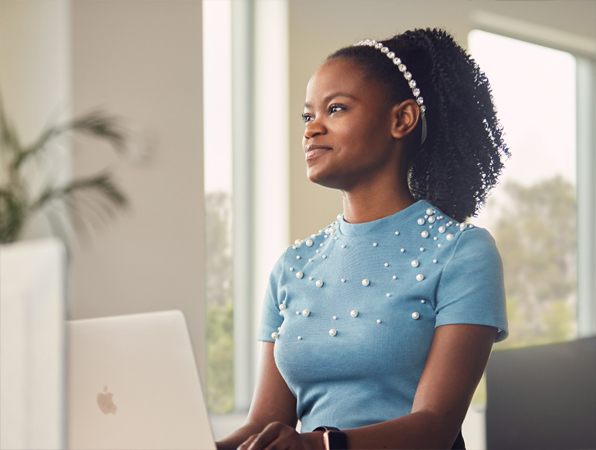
(365, 138)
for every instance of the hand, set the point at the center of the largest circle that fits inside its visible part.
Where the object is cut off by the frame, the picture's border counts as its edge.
(278, 436)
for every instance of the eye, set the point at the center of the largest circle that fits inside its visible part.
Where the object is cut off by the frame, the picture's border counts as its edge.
(336, 108)
(307, 118)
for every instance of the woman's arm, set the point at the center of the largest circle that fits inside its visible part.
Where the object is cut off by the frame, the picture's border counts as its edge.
(272, 402)
(454, 367)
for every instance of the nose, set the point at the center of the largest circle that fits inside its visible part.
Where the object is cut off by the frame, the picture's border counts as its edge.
(314, 128)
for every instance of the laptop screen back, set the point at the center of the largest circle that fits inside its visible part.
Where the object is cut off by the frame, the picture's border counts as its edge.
(133, 384)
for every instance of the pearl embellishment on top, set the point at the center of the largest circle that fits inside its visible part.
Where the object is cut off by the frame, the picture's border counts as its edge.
(388, 294)
(275, 335)
(365, 282)
(299, 338)
(430, 211)
(415, 316)
(298, 257)
(422, 301)
(319, 283)
(420, 277)
(441, 229)
(421, 221)
(309, 243)
(378, 320)
(306, 313)
(386, 264)
(431, 219)
(375, 244)
(415, 263)
(354, 313)
(299, 274)
(424, 234)
(343, 280)
(282, 307)
(449, 237)
(332, 332)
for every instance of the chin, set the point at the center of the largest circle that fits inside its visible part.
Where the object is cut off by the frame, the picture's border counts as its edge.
(322, 179)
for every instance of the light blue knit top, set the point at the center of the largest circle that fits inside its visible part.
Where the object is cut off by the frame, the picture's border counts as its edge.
(352, 310)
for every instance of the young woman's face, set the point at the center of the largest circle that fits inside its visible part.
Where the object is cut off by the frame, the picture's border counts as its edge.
(347, 137)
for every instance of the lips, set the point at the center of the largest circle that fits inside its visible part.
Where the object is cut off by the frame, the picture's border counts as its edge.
(313, 150)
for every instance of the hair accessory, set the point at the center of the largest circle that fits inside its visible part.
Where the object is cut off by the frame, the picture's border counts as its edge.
(407, 75)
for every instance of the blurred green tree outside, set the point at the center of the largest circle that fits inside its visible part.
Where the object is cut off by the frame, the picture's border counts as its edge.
(536, 235)
(219, 293)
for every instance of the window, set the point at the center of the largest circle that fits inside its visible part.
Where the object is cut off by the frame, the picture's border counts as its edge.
(533, 214)
(218, 205)
(543, 205)
(246, 184)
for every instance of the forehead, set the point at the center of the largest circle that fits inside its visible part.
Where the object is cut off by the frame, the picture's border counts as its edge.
(339, 76)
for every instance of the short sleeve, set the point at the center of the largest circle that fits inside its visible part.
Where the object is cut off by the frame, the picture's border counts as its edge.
(271, 319)
(471, 289)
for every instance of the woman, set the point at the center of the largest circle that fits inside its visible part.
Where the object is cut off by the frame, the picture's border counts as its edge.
(377, 329)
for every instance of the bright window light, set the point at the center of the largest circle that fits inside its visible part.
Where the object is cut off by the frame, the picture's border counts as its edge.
(218, 204)
(532, 214)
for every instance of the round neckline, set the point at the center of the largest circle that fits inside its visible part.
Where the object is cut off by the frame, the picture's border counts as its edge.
(385, 223)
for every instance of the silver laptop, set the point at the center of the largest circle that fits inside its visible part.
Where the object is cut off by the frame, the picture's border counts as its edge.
(133, 384)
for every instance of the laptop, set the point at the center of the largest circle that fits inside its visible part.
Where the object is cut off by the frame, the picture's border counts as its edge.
(542, 397)
(133, 384)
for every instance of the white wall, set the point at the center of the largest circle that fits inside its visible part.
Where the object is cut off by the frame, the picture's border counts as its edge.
(141, 60)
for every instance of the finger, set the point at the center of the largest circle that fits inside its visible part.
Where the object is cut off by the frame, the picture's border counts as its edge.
(285, 442)
(269, 434)
(246, 444)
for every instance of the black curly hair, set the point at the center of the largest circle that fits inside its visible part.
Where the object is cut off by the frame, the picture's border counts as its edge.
(462, 156)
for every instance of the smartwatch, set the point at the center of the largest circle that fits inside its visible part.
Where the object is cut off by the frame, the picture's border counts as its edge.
(333, 438)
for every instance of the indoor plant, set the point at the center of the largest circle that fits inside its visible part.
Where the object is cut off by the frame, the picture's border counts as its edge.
(18, 204)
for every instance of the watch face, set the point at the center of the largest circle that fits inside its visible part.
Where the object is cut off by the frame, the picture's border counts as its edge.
(336, 440)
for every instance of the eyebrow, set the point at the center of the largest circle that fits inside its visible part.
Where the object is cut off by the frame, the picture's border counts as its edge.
(331, 97)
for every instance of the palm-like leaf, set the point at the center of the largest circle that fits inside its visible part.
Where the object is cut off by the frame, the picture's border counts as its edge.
(98, 192)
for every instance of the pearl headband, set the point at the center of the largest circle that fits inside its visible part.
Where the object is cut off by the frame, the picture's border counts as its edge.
(407, 75)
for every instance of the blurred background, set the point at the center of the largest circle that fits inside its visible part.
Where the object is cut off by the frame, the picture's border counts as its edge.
(209, 94)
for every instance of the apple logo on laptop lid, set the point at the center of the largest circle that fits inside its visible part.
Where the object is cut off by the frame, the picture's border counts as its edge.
(105, 402)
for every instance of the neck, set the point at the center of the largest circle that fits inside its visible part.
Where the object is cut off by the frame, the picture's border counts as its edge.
(366, 203)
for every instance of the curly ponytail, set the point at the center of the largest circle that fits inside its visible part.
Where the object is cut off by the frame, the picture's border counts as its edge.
(462, 156)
